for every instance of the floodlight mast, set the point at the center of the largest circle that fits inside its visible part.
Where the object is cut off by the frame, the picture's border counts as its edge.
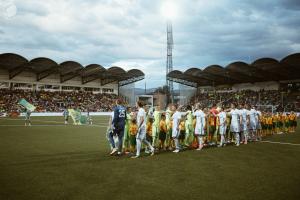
(169, 64)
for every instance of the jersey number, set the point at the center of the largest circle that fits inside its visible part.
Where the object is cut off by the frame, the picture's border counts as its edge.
(121, 113)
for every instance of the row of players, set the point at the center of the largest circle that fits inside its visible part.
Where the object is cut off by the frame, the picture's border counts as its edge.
(178, 128)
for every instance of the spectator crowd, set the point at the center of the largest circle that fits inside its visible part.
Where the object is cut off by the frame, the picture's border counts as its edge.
(262, 98)
(46, 101)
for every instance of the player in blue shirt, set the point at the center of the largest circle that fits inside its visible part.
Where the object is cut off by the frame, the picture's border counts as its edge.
(27, 117)
(118, 124)
(66, 115)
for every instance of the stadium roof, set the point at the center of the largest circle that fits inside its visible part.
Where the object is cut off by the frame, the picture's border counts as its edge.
(263, 69)
(44, 67)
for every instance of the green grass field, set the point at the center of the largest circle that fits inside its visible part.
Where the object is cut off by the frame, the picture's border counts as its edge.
(54, 161)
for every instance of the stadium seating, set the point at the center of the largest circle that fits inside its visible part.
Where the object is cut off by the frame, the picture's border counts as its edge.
(46, 101)
(261, 98)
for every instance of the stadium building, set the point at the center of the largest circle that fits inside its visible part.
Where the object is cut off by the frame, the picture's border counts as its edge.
(17, 72)
(262, 74)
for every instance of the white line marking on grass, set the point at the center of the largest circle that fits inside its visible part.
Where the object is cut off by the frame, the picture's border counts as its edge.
(15, 125)
(46, 121)
(35, 120)
(286, 143)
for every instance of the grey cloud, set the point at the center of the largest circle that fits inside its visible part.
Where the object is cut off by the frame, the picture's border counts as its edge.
(133, 32)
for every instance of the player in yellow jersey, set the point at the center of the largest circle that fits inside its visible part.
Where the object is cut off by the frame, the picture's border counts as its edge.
(281, 122)
(286, 122)
(293, 122)
(149, 129)
(181, 131)
(163, 132)
(266, 123)
(269, 124)
(149, 132)
(263, 125)
(133, 129)
(275, 118)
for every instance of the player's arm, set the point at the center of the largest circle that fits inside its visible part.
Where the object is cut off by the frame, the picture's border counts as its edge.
(141, 121)
(178, 123)
(110, 122)
(115, 118)
(248, 118)
(241, 118)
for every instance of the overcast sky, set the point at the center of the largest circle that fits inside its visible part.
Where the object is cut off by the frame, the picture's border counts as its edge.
(132, 33)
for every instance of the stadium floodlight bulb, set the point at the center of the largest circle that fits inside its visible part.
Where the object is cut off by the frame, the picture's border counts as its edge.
(169, 9)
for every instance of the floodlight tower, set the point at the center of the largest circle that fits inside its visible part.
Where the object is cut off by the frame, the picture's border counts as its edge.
(169, 64)
(169, 10)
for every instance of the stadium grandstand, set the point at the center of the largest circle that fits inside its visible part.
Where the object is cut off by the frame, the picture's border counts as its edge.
(51, 86)
(265, 82)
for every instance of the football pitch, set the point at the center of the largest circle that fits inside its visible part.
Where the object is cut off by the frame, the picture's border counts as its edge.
(50, 160)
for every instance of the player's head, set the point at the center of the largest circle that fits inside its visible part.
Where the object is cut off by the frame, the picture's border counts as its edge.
(174, 107)
(233, 105)
(157, 108)
(133, 121)
(163, 116)
(189, 107)
(139, 104)
(150, 119)
(118, 101)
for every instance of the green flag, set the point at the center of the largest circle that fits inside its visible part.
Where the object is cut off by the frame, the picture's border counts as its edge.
(75, 115)
(77, 118)
(83, 119)
(27, 105)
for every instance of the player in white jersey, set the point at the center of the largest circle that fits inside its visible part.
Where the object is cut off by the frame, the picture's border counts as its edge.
(200, 124)
(244, 122)
(175, 127)
(141, 135)
(258, 125)
(253, 123)
(222, 126)
(235, 123)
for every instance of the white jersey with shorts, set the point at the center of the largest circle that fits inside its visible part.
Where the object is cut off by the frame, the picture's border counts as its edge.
(244, 113)
(142, 130)
(176, 118)
(200, 122)
(253, 119)
(235, 121)
(222, 123)
(258, 124)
